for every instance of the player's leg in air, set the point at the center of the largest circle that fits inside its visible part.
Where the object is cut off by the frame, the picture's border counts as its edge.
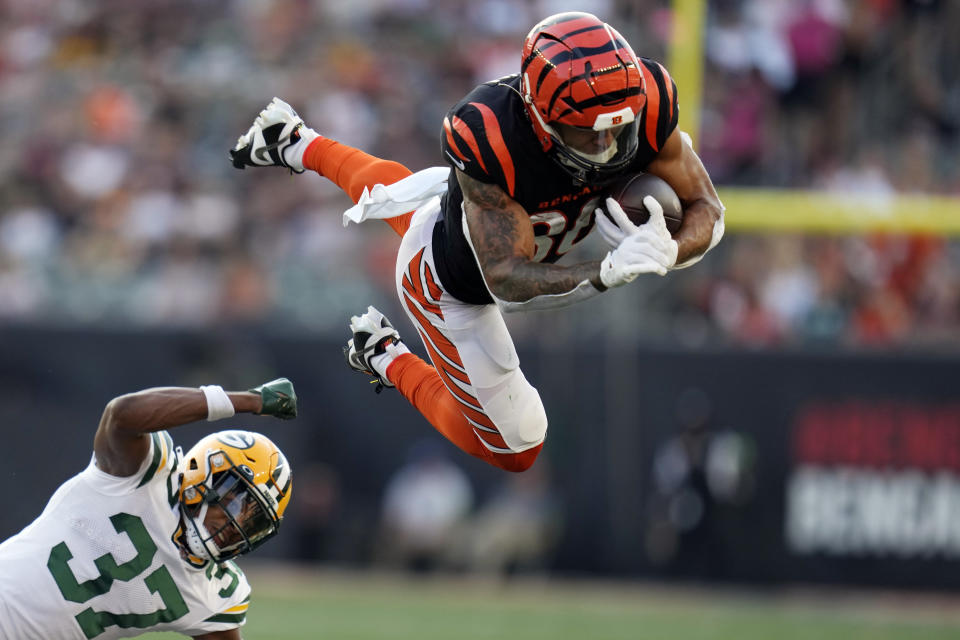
(279, 138)
(475, 394)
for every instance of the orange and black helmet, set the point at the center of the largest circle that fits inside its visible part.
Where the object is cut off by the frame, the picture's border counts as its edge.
(584, 92)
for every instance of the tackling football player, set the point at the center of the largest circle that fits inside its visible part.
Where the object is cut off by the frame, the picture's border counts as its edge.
(144, 538)
(529, 157)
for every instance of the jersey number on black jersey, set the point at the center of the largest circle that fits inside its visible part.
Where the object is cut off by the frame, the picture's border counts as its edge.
(556, 233)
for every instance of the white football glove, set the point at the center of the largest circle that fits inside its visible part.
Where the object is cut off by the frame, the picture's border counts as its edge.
(647, 248)
(609, 231)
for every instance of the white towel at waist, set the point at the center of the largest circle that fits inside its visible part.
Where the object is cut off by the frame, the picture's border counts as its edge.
(400, 197)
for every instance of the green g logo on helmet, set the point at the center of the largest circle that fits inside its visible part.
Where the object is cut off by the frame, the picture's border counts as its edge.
(237, 439)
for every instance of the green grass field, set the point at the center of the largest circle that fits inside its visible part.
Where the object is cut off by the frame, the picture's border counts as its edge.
(302, 605)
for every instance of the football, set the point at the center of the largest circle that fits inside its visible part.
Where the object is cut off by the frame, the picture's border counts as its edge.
(631, 190)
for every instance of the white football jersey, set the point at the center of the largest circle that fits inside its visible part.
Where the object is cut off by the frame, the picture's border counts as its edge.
(100, 562)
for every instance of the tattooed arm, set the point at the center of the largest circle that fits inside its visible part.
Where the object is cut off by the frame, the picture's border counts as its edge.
(502, 237)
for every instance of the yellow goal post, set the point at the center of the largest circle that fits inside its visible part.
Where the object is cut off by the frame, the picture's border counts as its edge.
(793, 210)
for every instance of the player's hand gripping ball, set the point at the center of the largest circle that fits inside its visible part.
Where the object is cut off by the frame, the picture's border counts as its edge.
(631, 191)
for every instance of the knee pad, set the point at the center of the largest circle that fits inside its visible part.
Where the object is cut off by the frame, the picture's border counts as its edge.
(517, 411)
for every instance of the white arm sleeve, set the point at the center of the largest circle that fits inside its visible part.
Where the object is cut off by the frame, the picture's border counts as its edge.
(718, 228)
(583, 291)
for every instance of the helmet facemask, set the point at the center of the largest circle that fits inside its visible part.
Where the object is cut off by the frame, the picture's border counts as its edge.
(231, 518)
(593, 155)
(229, 507)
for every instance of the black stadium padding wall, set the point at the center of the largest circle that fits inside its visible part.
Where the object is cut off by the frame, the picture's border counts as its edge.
(816, 468)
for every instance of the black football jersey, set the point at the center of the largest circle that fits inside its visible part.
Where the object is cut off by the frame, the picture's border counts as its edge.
(489, 137)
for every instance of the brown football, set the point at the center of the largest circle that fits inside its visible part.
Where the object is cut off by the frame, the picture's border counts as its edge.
(631, 190)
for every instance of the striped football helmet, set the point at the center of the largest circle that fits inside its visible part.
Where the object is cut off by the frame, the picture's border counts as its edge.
(233, 493)
(584, 92)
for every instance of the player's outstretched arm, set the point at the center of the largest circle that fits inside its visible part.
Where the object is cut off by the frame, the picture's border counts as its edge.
(702, 226)
(121, 441)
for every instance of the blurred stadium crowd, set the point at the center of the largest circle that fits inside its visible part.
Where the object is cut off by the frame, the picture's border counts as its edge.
(118, 205)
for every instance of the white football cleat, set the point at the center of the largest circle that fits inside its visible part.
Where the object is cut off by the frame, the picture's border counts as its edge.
(373, 336)
(269, 141)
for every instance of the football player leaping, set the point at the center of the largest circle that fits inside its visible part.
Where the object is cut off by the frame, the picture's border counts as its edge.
(142, 539)
(529, 155)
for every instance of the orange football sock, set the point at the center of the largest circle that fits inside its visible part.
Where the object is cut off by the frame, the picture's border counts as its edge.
(352, 170)
(421, 385)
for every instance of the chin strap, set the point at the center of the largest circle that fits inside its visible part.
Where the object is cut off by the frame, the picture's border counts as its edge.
(180, 539)
(193, 535)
